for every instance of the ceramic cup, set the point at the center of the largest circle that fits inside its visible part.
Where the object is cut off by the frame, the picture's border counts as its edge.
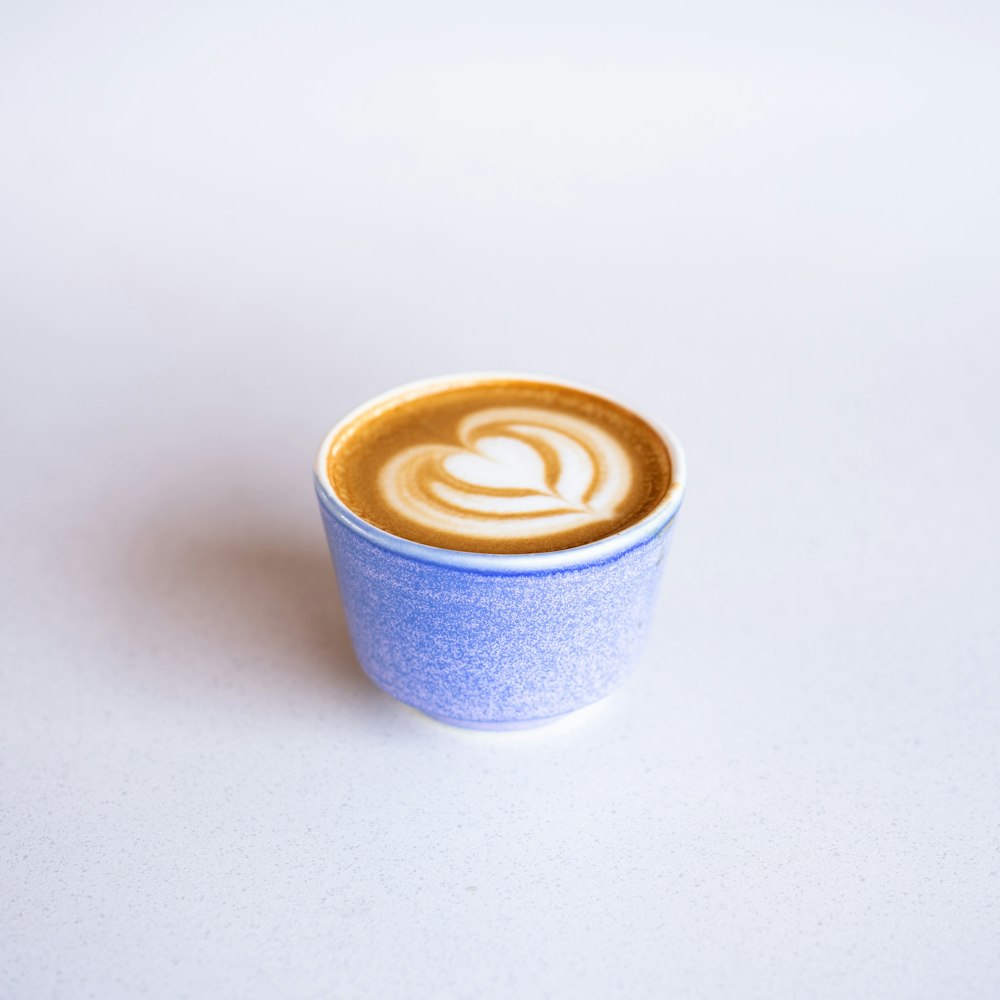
(495, 641)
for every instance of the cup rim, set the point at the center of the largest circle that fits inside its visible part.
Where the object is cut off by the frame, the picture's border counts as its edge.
(601, 550)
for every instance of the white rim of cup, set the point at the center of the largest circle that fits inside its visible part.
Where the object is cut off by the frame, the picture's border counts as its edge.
(601, 550)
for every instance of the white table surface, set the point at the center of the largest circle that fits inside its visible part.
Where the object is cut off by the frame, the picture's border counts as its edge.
(773, 227)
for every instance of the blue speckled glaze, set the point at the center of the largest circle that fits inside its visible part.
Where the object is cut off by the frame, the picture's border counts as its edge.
(494, 649)
(491, 641)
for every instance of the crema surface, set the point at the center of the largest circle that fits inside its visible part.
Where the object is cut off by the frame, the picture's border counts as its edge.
(499, 466)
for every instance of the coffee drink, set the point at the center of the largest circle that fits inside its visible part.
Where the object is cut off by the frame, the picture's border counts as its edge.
(498, 464)
(481, 601)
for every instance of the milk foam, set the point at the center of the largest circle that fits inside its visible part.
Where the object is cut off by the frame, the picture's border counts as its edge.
(519, 472)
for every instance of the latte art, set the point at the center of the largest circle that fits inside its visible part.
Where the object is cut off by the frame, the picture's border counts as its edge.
(498, 465)
(518, 472)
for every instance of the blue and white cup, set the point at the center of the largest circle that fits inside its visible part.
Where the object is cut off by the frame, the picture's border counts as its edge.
(496, 641)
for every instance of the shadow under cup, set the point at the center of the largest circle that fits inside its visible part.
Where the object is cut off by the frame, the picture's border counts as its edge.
(496, 641)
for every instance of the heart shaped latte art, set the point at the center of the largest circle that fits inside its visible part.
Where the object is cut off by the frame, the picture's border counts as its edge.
(518, 473)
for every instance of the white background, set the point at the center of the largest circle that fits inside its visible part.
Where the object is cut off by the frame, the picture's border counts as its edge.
(774, 227)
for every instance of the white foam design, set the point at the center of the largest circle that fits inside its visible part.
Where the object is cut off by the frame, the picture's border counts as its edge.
(520, 472)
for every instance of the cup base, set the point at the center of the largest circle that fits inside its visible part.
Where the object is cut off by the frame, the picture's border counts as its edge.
(497, 726)
(515, 724)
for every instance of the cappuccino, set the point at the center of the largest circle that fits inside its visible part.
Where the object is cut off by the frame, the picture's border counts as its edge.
(498, 464)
